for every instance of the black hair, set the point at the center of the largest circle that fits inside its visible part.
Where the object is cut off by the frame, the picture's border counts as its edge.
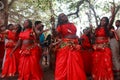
(19, 29)
(9, 26)
(37, 22)
(42, 25)
(60, 21)
(48, 39)
(30, 23)
(111, 27)
(106, 25)
(118, 21)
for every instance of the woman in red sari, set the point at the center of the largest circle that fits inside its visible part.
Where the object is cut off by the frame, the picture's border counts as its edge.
(69, 65)
(86, 50)
(9, 66)
(102, 56)
(29, 67)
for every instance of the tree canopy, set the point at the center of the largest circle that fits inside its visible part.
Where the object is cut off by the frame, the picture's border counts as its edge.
(83, 12)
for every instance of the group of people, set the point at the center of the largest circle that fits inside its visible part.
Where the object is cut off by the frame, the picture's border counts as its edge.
(94, 53)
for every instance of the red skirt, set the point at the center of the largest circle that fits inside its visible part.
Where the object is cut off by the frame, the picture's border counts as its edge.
(29, 66)
(69, 64)
(87, 60)
(9, 66)
(102, 64)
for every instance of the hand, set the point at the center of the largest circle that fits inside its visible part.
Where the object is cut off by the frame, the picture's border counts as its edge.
(113, 9)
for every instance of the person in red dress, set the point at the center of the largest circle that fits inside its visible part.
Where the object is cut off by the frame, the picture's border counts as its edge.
(29, 67)
(69, 64)
(9, 66)
(87, 50)
(102, 55)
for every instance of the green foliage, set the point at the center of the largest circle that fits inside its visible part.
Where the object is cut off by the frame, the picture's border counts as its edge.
(43, 9)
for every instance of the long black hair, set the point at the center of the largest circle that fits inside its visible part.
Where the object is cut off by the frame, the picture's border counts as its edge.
(105, 26)
(19, 29)
(30, 23)
(61, 20)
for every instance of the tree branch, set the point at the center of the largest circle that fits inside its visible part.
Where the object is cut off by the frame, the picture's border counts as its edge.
(118, 8)
(77, 10)
(92, 8)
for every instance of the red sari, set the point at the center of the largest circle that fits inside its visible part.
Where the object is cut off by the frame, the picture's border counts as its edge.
(29, 68)
(9, 66)
(87, 54)
(69, 65)
(102, 57)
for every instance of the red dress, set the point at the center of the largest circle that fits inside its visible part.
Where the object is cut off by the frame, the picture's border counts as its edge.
(102, 57)
(86, 53)
(69, 64)
(9, 66)
(29, 68)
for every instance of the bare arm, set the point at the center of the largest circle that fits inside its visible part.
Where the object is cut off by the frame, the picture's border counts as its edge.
(38, 32)
(43, 31)
(5, 32)
(19, 43)
(112, 17)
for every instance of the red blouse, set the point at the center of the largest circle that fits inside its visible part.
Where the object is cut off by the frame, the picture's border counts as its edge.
(27, 34)
(100, 32)
(66, 29)
(85, 42)
(12, 35)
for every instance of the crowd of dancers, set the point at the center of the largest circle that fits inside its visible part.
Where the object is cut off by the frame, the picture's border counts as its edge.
(95, 53)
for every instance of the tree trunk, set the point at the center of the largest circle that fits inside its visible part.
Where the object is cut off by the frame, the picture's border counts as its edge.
(4, 12)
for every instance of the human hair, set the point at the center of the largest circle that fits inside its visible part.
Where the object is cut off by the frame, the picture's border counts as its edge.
(37, 22)
(111, 27)
(118, 21)
(19, 29)
(8, 26)
(30, 23)
(105, 26)
(62, 19)
(42, 25)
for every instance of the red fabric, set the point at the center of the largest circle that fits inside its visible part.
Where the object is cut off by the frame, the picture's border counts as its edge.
(67, 29)
(100, 32)
(27, 34)
(69, 64)
(9, 66)
(86, 54)
(102, 60)
(12, 35)
(85, 42)
(29, 68)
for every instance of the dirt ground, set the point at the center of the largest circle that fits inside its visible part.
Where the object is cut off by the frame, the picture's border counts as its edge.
(48, 75)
